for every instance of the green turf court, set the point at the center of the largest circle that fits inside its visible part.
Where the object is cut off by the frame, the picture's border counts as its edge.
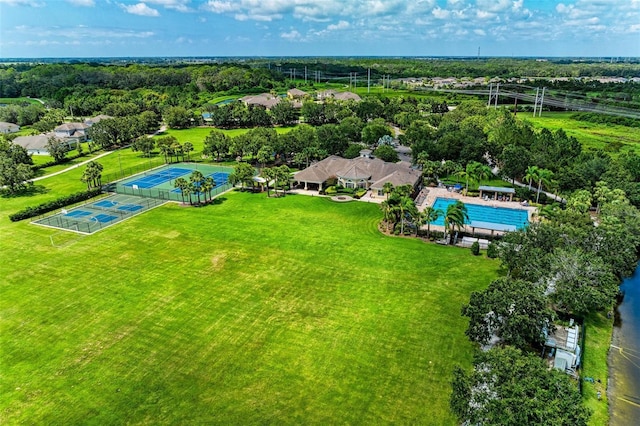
(98, 214)
(159, 183)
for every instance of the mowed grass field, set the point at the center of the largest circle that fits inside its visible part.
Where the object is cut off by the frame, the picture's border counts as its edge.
(590, 135)
(251, 311)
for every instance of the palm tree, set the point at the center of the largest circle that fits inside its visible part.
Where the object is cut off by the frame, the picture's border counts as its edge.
(207, 186)
(197, 179)
(187, 147)
(481, 172)
(283, 174)
(269, 174)
(430, 215)
(387, 188)
(455, 217)
(544, 176)
(406, 206)
(182, 184)
(387, 213)
(531, 174)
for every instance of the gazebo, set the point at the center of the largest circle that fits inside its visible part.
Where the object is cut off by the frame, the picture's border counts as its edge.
(497, 190)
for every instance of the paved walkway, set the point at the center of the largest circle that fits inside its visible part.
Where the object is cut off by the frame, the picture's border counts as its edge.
(75, 166)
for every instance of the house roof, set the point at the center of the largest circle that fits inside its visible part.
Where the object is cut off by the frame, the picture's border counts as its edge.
(497, 189)
(267, 100)
(563, 338)
(9, 126)
(71, 127)
(354, 171)
(97, 119)
(296, 93)
(347, 96)
(373, 169)
(33, 142)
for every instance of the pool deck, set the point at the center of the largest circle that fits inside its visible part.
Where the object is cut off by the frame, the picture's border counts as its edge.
(444, 193)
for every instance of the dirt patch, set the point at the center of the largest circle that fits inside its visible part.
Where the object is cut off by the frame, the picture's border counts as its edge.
(218, 261)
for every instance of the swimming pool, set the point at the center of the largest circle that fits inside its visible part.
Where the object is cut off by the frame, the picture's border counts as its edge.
(487, 216)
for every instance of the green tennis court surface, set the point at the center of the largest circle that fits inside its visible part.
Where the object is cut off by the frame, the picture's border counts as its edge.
(96, 215)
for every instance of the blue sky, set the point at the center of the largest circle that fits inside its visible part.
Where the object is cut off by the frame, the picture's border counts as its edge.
(96, 28)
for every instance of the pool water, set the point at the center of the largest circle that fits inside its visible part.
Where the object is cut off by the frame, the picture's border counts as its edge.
(480, 213)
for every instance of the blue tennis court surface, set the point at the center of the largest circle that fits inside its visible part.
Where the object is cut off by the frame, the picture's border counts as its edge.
(106, 203)
(130, 207)
(103, 218)
(220, 178)
(158, 178)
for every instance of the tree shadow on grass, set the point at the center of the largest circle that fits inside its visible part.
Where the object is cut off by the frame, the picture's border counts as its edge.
(28, 191)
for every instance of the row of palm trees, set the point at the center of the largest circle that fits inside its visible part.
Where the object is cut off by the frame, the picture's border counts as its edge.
(197, 185)
(400, 209)
(92, 175)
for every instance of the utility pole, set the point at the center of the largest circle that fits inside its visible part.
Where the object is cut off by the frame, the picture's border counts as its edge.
(541, 102)
(368, 80)
(490, 90)
(305, 75)
(495, 105)
(535, 103)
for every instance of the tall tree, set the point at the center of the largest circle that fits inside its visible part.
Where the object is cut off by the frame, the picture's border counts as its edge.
(57, 148)
(455, 217)
(512, 388)
(515, 311)
(182, 184)
(430, 215)
(197, 181)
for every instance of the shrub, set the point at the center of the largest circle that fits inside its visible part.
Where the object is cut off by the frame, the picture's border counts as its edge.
(492, 250)
(359, 193)
(475, 248)
(523, 193)
(54, 204)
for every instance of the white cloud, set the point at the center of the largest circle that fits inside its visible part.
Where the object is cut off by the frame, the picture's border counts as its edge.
(440, 13)
(291, 35)
(32, 3)
(85, 3)
(479, 32)
(179, 5)
(342, 25)
(140, 9)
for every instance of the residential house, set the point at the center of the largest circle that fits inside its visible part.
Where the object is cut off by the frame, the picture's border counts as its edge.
(6, 128)
(296, 94)
(340, 96)
(36, 145)
(266, 100)
(93, 120)
(72, 133)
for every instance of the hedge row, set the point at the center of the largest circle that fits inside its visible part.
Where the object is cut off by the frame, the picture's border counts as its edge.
(58, 203)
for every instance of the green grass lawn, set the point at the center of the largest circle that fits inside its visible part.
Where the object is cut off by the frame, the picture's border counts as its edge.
(254, 310)
(598, 334)
(197, 135)
(591, 135)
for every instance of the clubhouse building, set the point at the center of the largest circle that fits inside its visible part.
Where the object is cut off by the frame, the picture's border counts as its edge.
(360, 172)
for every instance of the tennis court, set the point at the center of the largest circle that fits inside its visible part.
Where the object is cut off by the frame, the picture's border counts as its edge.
(160, 183)
(96, 215)
(158, 178)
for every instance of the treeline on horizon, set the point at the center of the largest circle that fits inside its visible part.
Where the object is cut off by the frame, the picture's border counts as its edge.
(56, 81)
